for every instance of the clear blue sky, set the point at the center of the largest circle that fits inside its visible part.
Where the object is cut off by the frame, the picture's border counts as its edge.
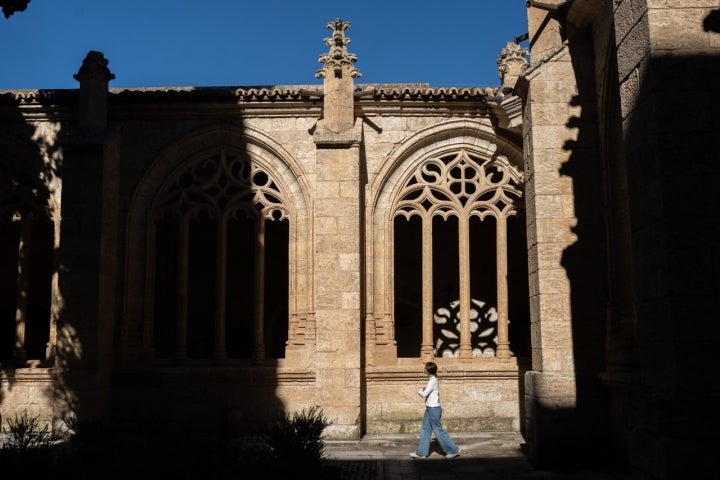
(154, 43)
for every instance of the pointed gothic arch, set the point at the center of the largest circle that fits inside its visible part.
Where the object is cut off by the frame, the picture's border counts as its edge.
(463, 172)
(233, 188)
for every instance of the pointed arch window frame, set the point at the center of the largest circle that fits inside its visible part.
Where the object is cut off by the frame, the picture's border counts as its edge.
(479, 140)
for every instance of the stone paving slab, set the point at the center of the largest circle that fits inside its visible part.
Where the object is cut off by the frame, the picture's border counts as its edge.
(487, 456)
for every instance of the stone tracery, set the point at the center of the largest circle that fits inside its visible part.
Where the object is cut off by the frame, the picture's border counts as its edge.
(461, 185)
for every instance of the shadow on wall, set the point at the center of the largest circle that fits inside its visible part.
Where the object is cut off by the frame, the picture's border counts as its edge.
(675, 207)
(30, 165)
(712, 22)
(53, 286)
(658, 167)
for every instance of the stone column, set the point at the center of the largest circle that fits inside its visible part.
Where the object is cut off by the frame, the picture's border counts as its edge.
(338, 300)
(87, 252)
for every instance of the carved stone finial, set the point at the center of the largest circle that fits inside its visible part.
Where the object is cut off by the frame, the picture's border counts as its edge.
(512, 63)
(94, 65)
(338, 55)
(93, 76)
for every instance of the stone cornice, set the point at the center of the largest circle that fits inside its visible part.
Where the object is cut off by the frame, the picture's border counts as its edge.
(38, 97)
(298, 93)
(416, 99)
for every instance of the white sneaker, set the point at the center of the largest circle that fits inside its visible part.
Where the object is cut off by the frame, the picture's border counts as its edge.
(453, 455)
(415, 455)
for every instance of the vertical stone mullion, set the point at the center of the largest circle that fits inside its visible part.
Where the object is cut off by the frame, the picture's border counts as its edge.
(149, 319)
(427, 348)
(51, 350)
(182, 291)
(23, 283)
(464, 268)
(503, 343)
(220, 351)
(259, 318)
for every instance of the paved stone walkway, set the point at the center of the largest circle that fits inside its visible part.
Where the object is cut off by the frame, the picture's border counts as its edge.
(487, 456)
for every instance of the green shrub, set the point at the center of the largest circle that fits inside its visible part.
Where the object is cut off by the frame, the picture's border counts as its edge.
(296, 439)
(28, 445)
(24, 433)
(290, 445)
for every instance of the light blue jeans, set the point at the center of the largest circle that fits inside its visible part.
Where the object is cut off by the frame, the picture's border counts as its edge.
(432, 424)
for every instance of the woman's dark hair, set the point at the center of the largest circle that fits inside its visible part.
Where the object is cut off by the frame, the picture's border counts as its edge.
(431, 368)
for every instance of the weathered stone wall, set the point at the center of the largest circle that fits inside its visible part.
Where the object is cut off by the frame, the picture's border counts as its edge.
(566, 231)
(644, 66)
(472, 401)
(334, 181)
(667, 62)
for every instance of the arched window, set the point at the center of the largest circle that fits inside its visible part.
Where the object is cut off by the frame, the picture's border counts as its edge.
(451, 268)
(219, 236)
(27, 236)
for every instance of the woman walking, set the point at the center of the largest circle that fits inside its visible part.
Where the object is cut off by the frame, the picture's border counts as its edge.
(432, 422)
